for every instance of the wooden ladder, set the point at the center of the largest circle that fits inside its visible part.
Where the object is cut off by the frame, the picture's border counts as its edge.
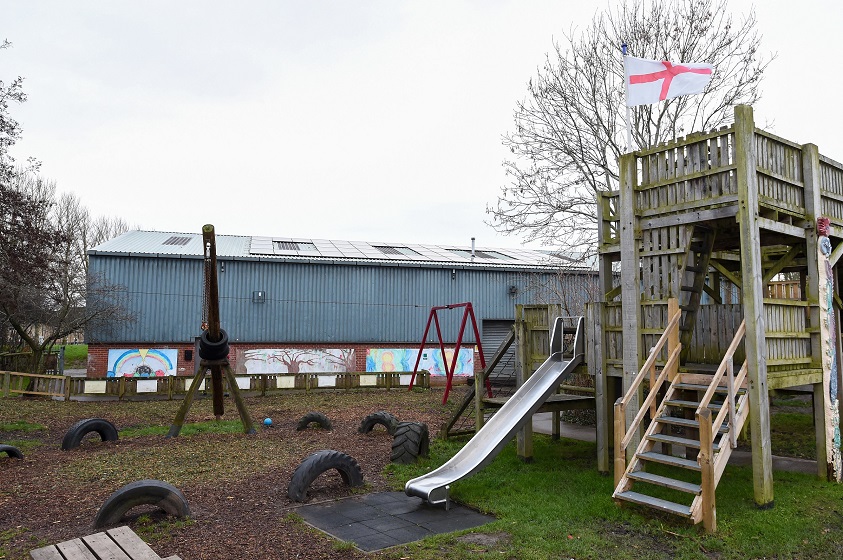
(692, 280)
(684, 450)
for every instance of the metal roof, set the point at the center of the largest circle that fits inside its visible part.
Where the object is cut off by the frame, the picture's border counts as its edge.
(294, 249)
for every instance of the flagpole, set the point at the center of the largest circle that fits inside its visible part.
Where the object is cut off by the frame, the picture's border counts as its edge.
(626, 97)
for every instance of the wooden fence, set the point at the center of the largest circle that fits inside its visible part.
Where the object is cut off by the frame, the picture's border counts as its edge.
(171, 387)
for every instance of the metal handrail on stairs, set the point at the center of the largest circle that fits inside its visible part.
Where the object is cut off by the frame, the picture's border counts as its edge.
(624, 435)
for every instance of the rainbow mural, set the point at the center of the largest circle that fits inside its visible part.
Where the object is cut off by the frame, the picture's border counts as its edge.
(403, 359)
(142, 362)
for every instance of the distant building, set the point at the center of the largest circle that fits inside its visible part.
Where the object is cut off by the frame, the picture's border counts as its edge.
(292, 304)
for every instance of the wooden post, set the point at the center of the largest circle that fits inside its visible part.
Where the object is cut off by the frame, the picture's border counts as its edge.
(67, 381)
(478, 401)
(706, 460)
(631, 287)
(524, 439)
(6, 383)
(594, 344)
(620, 431)
(673, 337)
(813, 210)
(752, 293)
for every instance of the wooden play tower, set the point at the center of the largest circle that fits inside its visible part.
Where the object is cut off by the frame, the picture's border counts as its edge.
(685, 334)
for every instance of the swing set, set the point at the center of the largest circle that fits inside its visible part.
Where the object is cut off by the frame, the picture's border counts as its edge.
(449, 370)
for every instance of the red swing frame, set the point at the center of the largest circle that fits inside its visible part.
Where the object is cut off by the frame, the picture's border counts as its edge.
(449, 371)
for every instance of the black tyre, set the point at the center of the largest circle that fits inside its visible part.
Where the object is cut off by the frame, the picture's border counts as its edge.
(151, 492)
(410, 441)
(314, 417)
(385, 419)
(79, 430)
(316, 464)
(13, 452)
(209, 350)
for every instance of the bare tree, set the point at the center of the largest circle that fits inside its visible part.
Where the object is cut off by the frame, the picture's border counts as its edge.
(570, 130)
(44, 280)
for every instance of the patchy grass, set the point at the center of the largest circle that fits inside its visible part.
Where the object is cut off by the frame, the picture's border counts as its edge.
(21, 426)
(557, 507)
(208, 427)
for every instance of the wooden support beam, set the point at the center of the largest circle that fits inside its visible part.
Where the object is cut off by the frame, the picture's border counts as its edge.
(690, 217)
(597, 368)
(786, 259)
(752, 291)
(779, 227)
(631, 282)
(728, 274)
(835, 254)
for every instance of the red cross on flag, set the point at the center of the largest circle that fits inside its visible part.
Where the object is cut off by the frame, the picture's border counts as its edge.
(650, 81)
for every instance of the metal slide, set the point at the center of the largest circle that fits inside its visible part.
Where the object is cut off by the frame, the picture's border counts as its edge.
(496, 433)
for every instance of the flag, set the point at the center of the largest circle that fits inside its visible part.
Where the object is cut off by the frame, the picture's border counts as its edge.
(650, 81)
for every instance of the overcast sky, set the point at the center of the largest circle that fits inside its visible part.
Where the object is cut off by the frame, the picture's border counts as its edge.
(369, 120)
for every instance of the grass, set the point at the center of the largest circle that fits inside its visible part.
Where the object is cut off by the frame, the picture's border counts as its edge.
(75, 355)
(558, 507)
(21, 426)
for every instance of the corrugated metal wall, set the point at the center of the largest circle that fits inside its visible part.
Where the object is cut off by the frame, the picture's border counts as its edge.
(306, 303)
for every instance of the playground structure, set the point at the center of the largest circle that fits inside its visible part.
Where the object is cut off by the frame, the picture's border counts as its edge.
(693, 326)
(513, 414)
(213, 348)
(449, 370)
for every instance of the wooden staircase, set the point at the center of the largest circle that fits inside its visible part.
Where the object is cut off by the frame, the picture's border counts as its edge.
(692, 279)
(684, 450)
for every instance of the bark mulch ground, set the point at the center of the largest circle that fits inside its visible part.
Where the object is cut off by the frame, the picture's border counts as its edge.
(236, 484)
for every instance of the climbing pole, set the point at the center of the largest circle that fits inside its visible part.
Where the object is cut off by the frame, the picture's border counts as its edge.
(213, 347)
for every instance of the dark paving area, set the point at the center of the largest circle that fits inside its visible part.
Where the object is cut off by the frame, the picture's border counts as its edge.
(385, 519)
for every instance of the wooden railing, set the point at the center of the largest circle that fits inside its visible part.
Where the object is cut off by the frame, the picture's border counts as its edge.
(712, 466)
(171, 387)
(624, 435)
(34, 384)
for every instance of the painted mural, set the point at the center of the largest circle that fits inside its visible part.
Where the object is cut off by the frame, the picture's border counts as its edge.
(142, 362)
(295, 360)
(404, 359)
(828, 337)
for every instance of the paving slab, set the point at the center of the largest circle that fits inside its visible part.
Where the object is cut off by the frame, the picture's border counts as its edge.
(385, 519)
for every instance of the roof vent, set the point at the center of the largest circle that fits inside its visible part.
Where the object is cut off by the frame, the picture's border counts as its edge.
(177, 240)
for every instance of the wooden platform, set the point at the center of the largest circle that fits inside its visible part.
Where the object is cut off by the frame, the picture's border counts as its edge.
(554, 403)
(120, 543)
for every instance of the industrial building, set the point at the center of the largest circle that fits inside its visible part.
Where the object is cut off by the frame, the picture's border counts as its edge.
(294, 305)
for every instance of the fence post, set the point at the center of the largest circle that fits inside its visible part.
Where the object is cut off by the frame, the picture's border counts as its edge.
(6, 381)
(67, 381)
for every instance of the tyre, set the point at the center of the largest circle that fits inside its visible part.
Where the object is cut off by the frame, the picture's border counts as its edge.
(314, 417)
(13, 452)
(410, 441)
(151, 492)
(385, 419)
(213, 350)
(79, 430)
(316, 464)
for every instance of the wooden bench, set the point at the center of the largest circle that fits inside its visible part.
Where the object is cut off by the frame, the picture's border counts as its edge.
(114, 544)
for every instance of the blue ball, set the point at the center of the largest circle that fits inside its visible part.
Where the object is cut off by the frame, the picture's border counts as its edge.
(267, 422)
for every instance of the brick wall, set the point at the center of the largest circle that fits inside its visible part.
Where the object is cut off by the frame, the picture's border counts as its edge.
(98, 355)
